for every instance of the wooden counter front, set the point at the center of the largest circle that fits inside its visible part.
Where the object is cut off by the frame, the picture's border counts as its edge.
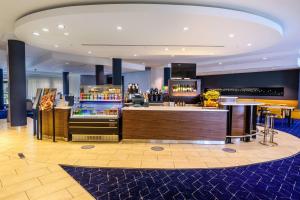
(174, 125)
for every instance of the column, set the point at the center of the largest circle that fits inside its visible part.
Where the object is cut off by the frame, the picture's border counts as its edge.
(100, 75)
(1, 90)
(117, 71)
(167, 75)
(17, 83)
(66, 85)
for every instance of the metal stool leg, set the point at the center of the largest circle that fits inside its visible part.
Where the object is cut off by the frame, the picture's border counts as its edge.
(266, 130)
(272, 132)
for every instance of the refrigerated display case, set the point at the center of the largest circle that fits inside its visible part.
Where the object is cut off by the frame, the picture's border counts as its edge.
(96, 116)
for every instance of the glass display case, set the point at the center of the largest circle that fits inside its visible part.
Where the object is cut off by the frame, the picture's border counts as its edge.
(98, 102)
(96, 115)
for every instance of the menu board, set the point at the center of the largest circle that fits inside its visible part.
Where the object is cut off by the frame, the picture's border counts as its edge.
(48, 99)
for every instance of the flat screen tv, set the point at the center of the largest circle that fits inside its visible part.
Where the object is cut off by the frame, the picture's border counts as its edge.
(183, 70)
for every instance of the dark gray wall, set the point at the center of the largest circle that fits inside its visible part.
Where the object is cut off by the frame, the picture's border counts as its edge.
(289, 79)
(87, 80)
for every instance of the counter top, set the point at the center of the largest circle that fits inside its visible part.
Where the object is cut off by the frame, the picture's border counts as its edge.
(167, 108)
(63, 107)
(241, 103)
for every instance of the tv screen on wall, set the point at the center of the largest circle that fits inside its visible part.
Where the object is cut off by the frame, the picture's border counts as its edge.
(183, 70)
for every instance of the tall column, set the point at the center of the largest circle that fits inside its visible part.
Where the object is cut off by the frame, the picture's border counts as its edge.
(17, 82)
(1, 90)
(66, 84)
(117, 71)
(167, 75)
(100, 75)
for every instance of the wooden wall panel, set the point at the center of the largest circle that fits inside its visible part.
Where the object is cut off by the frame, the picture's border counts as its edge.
(238, 120)
(174, 125)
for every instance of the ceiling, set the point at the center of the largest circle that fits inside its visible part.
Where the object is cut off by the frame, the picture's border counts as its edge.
(155, 34)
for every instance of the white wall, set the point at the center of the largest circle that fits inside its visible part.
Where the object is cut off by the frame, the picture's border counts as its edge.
(41, 81)
(142, 78)
(146, 79)
(157, 77)
(74, 84)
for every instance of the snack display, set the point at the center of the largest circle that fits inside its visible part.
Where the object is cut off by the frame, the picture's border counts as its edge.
(48, 99)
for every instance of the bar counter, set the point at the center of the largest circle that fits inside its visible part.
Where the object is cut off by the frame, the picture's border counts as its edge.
(175, 124)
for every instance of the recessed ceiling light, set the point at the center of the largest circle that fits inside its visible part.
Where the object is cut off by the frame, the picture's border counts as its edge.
(89, 52)
(166, 49)
(220, 63)
(45, 29)
(172, 55)
(56, 45)
(36, 33)
(119, 28)
(67, 63)
(265, 58)
(183, 49)
(249, 44)
(135, 55)
(231, 35)
(186, 28)
(66, 34)
(61, 26)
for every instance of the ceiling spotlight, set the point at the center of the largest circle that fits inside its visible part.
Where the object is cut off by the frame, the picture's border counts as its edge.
(36, 33)
(56, 46)
(249, 44)
(183, 49)
(67, 63)
(89, 52)
(220, 63)
(66, 34)
(119, 28)
(135, 55)
(45, 29)
(265, 58)
(231, 35)
(166, 49)
(60, 26)
(185, 28)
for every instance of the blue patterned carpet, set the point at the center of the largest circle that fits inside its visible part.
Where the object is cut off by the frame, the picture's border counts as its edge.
(275, 180)
(272, 180)
(294, 129)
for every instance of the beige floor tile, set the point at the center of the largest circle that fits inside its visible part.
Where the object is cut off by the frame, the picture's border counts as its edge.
(76, 190)
(84, 197)
(54, 176)
(158, 164)
(50, 188)
(19, 196)
(60, 195)
(124, 163)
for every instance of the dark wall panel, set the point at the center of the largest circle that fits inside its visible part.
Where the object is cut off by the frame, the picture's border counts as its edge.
(87, 80)
(289, 79)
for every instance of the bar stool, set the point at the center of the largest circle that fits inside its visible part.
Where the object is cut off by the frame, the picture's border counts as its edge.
(269, 130)
(266, 130)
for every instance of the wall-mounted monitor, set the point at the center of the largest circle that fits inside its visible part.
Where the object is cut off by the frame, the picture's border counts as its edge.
(183, 70)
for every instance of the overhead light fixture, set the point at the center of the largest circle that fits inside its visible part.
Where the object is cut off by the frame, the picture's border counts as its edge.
(166, 49)
(183, 49)
(36, 33)
(220, 63)
(45, 29)
(186, 28)
(249, 44)
(60, 26)
(56, 45)
(265, 58)
(135, 55)
(119, 28)
(66, 34)
(231, 35)
(67, 63)
(89, 52)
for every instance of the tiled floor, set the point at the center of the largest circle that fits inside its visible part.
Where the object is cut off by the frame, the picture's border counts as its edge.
(38, 176)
